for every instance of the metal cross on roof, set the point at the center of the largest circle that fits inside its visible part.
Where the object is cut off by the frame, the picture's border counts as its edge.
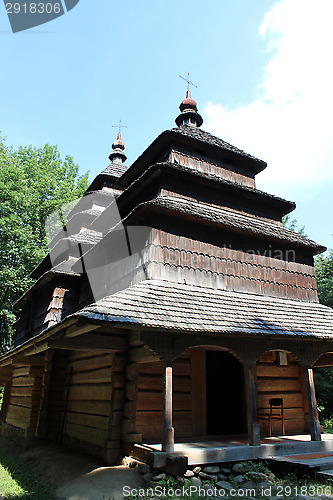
(188, 81)
(120, 126)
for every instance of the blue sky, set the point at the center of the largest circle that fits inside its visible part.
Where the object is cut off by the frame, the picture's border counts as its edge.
(262, 70)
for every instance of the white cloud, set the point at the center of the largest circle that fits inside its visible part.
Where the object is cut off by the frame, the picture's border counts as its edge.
(290, 124)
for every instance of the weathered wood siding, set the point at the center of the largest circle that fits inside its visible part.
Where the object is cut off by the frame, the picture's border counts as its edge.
(150, 399)
(223, 170)
(25, 397)
(286, 382)
(87, 395)
(181, 259)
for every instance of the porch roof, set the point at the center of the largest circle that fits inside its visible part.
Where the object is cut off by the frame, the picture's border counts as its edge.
(179, 307)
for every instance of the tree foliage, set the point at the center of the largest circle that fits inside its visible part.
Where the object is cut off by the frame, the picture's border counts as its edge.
(324, 376)
(33, 183)
(324, 275)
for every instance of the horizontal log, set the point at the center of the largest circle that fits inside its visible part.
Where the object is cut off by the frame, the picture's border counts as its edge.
(93, 363)
(149, 424)
(16, 422)
(96, 421)
(24, 382)
(20, 401)
(99, 392)
(155, 383)
(277, 371)
(101, 375)
(291, 426)
(289, 413)
(75, 330)
(154, 401)
(22, 391)
(90, 407)
(86, 434)
(142, 355)
(22, 361)
(290, 400)
(91, 342)
(32, 371)
(270, 384)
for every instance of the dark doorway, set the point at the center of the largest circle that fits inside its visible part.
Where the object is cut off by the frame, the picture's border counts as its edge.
(225, 399)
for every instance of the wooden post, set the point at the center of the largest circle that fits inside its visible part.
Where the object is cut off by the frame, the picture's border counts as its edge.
(251, 405)
(198, 390)
(168, 435)
(313, 414)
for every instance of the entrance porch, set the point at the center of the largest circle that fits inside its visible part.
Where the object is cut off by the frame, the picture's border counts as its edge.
(234, 449)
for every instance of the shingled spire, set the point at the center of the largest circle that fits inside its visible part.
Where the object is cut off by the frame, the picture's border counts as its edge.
(188, 108)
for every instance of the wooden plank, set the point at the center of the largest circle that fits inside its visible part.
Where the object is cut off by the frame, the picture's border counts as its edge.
(90, 407)
(86, 434)
(154, 401)
(93, 363)
(21, 401)
(96, 421)
(22, 391)
(101, 375)
(198, 391)
(290, 400)
(277, 371)
(77, 329)
(100, 392)
(22, 361)
(24, 381)
(273, 384)
(155, 383)
(149, 424)
(19, 372)
(92, 342)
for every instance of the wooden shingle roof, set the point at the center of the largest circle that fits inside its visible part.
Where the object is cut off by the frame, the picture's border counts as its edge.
(179, 307)
(239, 221)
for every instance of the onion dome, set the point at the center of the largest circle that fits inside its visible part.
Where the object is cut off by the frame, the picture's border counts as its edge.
(118, 156)
(189, 112)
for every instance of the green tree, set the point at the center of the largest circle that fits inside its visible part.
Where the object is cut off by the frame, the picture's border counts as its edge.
(324, 376)
(324, 275)
(33, 183)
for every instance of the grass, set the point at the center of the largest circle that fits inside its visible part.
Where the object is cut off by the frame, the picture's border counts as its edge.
(17, 478)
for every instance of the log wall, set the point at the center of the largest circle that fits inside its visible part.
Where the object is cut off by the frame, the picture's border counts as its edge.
(150, 399)
(87, 398)
(24, 400)
(285, 382)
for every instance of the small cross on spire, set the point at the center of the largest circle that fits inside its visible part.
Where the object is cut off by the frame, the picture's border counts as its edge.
(120, 126)
(188, 81)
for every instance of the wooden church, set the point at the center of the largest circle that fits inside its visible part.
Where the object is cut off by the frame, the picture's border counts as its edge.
(216, 321)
